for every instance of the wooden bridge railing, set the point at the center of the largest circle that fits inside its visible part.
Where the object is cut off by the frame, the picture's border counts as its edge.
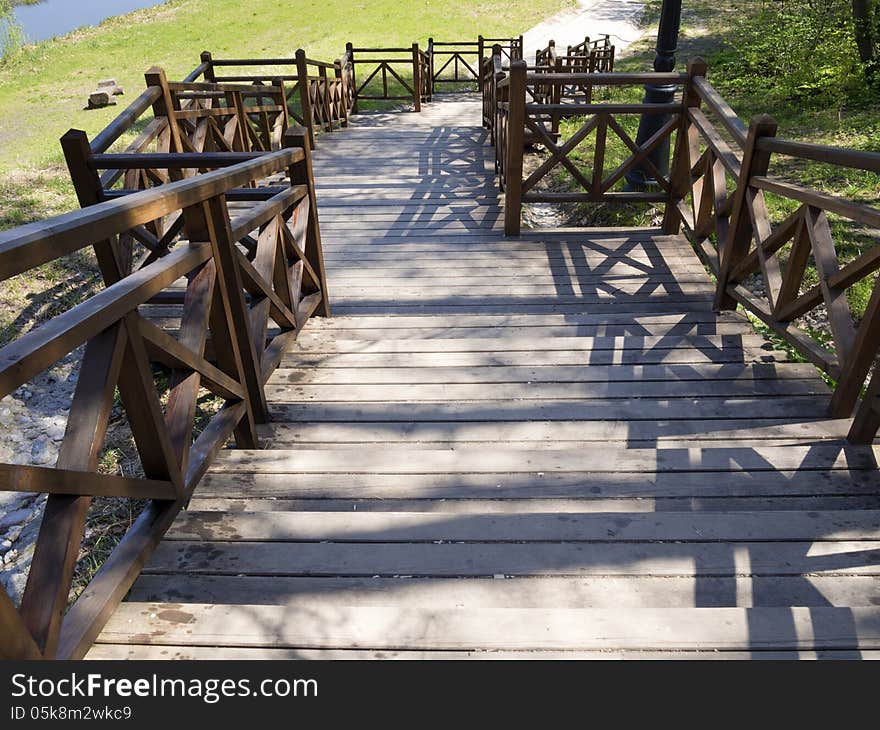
(393, 63)
(241, 273)
(517, 116)
(454, 63)
(319, 94)
(716, 190)
(736, 237)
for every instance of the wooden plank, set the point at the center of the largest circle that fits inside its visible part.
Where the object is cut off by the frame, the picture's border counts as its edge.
(381, 527)
(705, 407)
(595, 460)
(327, 345)
(485, 505)
(548, 374)
(178, 652)
(522, 358)
(510, 628)
(556, 434)
(280, 394)
(584, 485)
(451, 559)
(549, 592)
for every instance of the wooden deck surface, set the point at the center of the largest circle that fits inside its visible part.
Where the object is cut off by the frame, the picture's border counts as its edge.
(541, 447)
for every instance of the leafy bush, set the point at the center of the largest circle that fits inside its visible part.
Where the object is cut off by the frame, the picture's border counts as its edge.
(795, 49)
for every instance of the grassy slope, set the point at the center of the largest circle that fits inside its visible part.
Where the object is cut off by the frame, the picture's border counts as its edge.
(43, 90)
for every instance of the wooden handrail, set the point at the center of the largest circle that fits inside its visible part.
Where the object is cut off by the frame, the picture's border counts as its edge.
(731, 233)
(218, 349)
(736, 237)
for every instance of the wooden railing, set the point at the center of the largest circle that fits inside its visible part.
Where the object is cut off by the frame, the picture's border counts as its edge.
(511, 48)
(241, 273)
(736, 237)
(720, 178)
(516, 116)
(599, 52)
(319, 94)
(454, 63)
(408, 70)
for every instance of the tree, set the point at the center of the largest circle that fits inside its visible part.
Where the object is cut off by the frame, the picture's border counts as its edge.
(864, 24)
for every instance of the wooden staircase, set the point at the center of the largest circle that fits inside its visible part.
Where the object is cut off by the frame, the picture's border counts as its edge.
(535, 447)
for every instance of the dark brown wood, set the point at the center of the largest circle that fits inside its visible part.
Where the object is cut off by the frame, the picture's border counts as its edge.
(301, 174)
(513, 165)
(731, 251)
(61, 530)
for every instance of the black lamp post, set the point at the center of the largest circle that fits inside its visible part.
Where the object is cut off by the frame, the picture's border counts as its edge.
(667, 43)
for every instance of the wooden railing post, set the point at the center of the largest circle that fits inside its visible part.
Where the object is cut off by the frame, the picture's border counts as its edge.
(855, 366)
(209, 221)
(343, 94)
(686, 145)
(164, 105)
(301, 174)
(278, 82)
(730, 252)
(866, 422)
(513, 164)
(305, 98)
(323, 96)
(417, 82)
(112, 262)
(481, 49)
(349, 49)
(430, 59)
(209, 69)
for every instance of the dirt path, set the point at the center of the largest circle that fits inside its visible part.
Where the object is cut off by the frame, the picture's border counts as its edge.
(619, 18)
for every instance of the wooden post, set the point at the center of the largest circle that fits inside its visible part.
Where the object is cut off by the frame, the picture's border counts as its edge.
(739, 237)
(680, 178)
(516, 121)
(867, 419)
(209, 71)
(340, 80)
(856, 364)
(209, 221)
(282, 100)
(349, 49)
(302, 74)
(328, 107)
(417, 84)
(87, 184)
(301, 174)
(164, 105)
(481, 49)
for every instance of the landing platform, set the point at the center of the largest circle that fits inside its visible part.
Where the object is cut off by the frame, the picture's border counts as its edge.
(541, 447)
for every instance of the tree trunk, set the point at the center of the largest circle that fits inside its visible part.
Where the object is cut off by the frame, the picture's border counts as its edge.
(863, 22)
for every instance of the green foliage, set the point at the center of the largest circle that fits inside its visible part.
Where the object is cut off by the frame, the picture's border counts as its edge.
(798, 50)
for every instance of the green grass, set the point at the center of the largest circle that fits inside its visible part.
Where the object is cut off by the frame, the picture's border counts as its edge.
(44, 87)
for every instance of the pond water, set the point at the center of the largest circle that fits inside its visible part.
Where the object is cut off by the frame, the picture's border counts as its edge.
(57, 17)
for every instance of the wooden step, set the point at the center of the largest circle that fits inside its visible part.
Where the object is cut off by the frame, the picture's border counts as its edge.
(369, 627)
(590, 592)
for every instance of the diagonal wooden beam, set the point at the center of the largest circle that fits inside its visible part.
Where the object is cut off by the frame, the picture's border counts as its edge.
(836, 303)
(559, 153)
(64, 516)
(180, 410)
(16, 641)
(761, 231)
